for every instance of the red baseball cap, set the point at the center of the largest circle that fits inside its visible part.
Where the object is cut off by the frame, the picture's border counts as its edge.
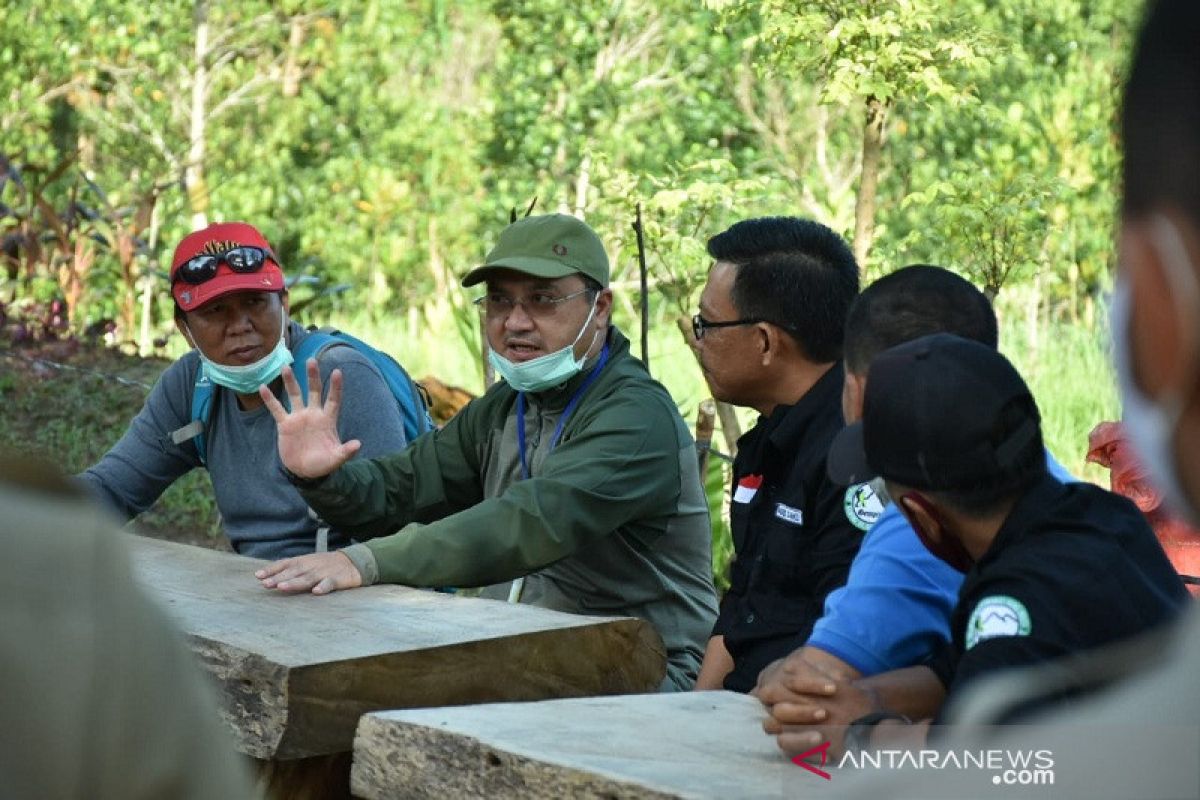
(215, 239)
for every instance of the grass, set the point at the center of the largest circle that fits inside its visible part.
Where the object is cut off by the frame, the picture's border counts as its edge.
(1070, 374)
(73, 418)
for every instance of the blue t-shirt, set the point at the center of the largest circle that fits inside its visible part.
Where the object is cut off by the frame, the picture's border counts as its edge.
(894, 610)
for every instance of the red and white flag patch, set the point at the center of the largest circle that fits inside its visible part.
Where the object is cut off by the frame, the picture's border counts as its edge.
(747, 487)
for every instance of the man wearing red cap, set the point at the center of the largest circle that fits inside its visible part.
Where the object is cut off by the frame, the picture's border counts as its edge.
(231, 305)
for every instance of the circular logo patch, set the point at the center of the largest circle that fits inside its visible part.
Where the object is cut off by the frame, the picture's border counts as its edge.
(997, 615)
(560, 249)
(862, 506)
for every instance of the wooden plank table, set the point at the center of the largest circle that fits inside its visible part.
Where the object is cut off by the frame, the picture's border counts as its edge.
(296, 672)
(692, 744)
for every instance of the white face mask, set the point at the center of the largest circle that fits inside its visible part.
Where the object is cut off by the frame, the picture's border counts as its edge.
(1152, 423)
(247, 378)
(545, 371)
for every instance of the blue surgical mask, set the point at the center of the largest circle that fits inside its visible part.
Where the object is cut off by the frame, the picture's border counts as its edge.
(246, 379)
(1152, 423)
(545, 371)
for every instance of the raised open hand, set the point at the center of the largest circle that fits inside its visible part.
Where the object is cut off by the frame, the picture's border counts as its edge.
(309, 445)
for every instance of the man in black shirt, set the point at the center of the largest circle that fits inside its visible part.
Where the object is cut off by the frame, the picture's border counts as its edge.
(769, 336)
(1051, 569)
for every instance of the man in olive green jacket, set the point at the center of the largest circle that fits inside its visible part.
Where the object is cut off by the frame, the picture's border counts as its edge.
(576, 476)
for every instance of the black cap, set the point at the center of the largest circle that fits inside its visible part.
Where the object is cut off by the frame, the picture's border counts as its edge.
(941, 413)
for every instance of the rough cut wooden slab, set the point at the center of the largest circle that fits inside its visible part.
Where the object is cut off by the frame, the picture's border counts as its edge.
(693, 744)
(297, 672)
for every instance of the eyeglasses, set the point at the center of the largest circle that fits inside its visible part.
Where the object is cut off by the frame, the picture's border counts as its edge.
(201, 268)
(538, 305)
(700, 324)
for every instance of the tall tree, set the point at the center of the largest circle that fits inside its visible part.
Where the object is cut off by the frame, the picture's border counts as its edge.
(872, 54)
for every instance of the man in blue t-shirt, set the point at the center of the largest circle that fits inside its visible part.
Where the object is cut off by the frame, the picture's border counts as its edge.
(895, 608)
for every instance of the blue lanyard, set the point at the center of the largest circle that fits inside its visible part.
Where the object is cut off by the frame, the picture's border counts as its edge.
(558, 429)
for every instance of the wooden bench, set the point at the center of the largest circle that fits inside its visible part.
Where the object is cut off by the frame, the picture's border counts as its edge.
(297, 672)
(693, 744)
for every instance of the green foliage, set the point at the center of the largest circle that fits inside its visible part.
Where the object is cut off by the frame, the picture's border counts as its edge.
(884, 49)
(380, 145)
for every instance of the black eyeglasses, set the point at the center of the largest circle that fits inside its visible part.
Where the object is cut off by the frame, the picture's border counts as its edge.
(700, 324)
(201, 268)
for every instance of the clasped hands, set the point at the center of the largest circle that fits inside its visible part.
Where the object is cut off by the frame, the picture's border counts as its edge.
(807, 705)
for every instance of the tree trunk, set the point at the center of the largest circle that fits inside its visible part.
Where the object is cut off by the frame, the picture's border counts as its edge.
(145, 342)
(291, 66)
(864, 206)
(193, 172)
(489, 375)
(582, 182)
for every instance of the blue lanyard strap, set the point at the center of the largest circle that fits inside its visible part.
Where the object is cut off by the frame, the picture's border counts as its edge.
(562, 420)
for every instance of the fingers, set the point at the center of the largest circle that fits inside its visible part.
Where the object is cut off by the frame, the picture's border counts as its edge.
(348, 449)
(291, 386)
(272, 569)
(784, 688)
(314, 384)
(291, 574)
(320, 573)
(799, 740)
(274, 406)
(334, 401)
(799, 713)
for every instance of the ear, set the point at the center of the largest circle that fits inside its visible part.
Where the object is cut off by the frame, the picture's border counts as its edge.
(181, 326)
(286, 301)
(1161, 335)
(917, 513)
(603, 308)
(766, 336)
(854, 388)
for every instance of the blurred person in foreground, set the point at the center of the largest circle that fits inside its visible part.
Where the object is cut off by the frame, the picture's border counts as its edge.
(101, 698)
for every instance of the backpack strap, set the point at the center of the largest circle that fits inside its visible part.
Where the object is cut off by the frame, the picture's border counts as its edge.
(202, 400)
(311, 346)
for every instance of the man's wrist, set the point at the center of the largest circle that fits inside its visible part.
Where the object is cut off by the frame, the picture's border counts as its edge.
(301, 482)
(858, 733)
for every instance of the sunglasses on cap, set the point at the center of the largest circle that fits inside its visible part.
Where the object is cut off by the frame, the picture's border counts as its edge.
(244, 259)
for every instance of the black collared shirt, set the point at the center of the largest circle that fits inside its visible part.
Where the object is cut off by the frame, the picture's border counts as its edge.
(1073, 567)
(794, 532)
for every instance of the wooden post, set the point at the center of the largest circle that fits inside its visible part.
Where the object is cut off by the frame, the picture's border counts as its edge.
(644, 273)
(489, 375)
(706, 415)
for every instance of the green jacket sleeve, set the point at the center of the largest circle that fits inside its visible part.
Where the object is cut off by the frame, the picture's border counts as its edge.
(436, 475)
(619, 464)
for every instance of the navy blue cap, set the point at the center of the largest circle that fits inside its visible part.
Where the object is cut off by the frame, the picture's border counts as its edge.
(940, 413)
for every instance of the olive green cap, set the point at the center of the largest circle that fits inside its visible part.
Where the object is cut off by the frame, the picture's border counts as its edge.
(546, 246)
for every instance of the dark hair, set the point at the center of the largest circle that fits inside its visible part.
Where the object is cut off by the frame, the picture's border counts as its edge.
(794, 273)
(1027, 467)
(1161, 118)
(912, 302)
